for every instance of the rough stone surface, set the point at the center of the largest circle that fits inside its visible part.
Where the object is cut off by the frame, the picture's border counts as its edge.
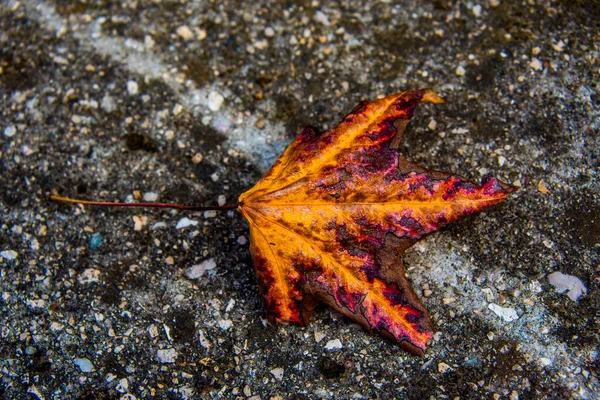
(106, 100)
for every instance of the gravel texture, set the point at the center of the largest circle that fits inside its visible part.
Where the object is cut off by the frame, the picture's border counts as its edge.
(191, 101)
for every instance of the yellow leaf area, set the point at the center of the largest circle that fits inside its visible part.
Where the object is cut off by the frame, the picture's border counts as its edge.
(330, 219)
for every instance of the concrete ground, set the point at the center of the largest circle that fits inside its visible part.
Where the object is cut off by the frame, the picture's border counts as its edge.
(191, 101)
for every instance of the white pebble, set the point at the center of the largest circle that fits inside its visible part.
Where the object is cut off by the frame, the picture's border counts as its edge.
(215, 101)
(166, 356)
(460, 71)
(567, 283)
(536, 64)
(185, 32)
(334, 344)
(269, 32)
(153, 331)
(204, 342)
(545, 361)
(225, 324)
(10, 131)
(501, 161)
(506, 313)
(319, 335)
(185, 222)
(89, 275)
(560, 46)
(108, 103)
(132, 88)
(210, 214)
(9, 254)
(158, 225)
(84, 364)
(277, 373)
(122, 386)
(432, 124)
(196, 271)
(476, 10)
(242, 240)
(322, 18)
(221, 200)
(150, 196)
(178, 109)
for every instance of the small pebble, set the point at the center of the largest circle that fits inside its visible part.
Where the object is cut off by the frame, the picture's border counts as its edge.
(261, 44)
(9, 254)
(10, 131)
(158, 225)
(132, 88)
(166, 356)
(197, 158)
(269, 32)
(221, 200)
(319, 335)
(506, 313)
(153, 331)
(536, 64)
(334, 344)
(210, 214)
(108, 103)
(567, 283)
(95, 241)
(196, 271)
(89, 275)
(178, 109)
(541, 187)
(277, 373)
(122, 386)
(215, 101)
(84, 364)
(150, 196)
(460, 71)
(443, 367)
(242, 240)
(225, 324)
(185, 33)
(476, 10)
(185, 222)
(139, 222)
(545, 361)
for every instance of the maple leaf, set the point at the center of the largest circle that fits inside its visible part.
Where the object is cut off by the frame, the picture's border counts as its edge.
(331, 218)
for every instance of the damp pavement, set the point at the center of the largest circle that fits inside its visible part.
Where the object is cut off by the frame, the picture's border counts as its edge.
(190, 102)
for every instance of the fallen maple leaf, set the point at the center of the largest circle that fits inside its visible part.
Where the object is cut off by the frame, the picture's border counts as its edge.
(329, 221)
(331, 218)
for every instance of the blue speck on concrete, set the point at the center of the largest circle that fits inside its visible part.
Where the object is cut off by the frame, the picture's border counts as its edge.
(95, 241)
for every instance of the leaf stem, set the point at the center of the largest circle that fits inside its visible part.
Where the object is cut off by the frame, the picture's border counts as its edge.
(143, 205)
